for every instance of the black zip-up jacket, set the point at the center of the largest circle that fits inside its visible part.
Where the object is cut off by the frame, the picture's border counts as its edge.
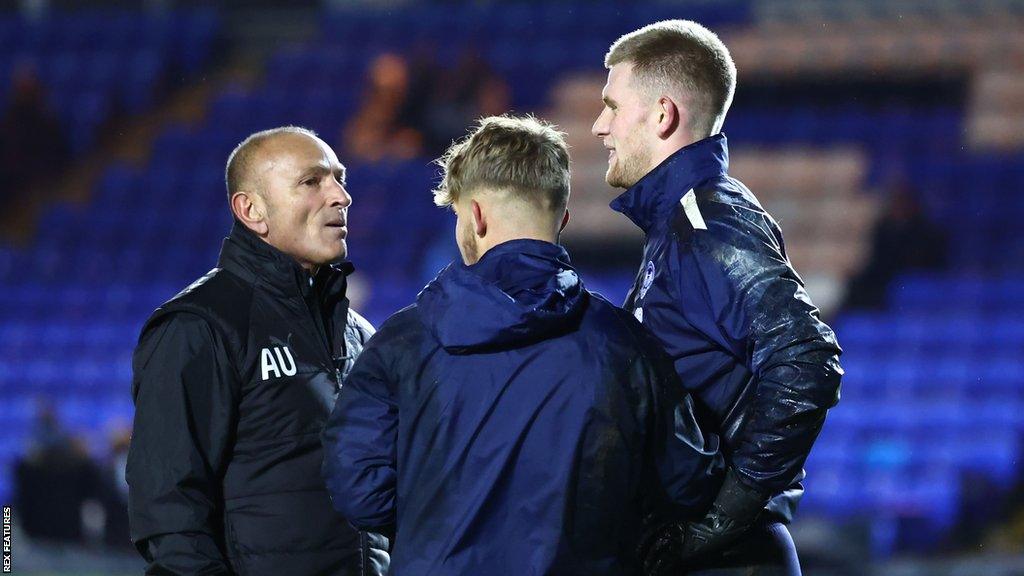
(234, 379)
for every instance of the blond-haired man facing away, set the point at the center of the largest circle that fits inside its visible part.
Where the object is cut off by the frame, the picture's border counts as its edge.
(510, 422)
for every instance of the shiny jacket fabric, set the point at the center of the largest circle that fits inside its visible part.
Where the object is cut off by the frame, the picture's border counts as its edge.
(234, 379)
(716, 288)
(510, 423)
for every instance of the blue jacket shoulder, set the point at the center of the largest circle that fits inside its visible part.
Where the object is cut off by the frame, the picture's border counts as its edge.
(613, 322)
(725, 211)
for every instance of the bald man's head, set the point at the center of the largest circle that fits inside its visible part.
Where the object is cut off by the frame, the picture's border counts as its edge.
(243, 171)
(288, 187)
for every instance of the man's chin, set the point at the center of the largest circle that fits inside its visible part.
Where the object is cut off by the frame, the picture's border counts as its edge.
(333, 256)
(609, 178)
(616, 180)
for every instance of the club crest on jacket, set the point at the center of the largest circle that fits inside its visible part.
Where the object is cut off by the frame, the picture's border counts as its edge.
(648, 279)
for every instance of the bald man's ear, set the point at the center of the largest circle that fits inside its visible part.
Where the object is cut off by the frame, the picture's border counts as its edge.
(251, 210)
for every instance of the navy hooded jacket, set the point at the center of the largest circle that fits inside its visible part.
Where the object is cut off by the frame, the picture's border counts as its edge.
(717, 290)
(511, 422)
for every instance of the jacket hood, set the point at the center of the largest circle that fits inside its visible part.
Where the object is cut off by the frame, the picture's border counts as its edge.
(520, 292)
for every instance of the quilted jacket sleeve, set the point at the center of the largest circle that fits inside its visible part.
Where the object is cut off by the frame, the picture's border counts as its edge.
(359, 445)
(744, 295)
(186, 403)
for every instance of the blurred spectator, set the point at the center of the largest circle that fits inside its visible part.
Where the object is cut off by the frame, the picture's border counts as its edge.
(1008, 537)
(903, 240)
(53, 482)
(423, 76)
(34, 9)
(1004, 531)
(33, 145)
(413, 110)
(114, 491)
(377, 132)
(460, 96)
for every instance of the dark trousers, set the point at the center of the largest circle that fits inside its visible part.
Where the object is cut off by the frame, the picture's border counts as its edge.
(766, 550)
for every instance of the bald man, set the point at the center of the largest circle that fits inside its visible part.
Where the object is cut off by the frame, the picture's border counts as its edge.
(235, 377)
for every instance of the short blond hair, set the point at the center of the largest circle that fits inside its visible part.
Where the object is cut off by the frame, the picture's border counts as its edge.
(519, 154)
(681, 56)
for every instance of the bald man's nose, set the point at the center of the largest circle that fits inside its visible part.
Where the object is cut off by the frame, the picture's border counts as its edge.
(340, 196)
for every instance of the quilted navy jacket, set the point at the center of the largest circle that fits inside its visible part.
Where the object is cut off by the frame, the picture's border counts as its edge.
(511, 422)
(716, 288)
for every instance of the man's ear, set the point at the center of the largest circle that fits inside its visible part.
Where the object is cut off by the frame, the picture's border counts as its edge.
(565, 220)
(669, 117)
(479, 220)
(250, 209)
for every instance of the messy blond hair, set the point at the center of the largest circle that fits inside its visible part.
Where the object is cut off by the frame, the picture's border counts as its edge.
(523, 155)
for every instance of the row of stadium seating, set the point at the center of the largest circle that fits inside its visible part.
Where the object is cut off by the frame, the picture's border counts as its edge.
(96, 64)
(924, 293)
(186, 33)
(814, 12)
(92, 65)
(398, 28)
(531, 44)
(933, 398)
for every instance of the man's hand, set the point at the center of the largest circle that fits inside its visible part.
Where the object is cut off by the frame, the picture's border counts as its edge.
(662, 548)
(671, 546)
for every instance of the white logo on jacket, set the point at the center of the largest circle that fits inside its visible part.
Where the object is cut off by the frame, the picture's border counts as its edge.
(648, 279)
(275, 362)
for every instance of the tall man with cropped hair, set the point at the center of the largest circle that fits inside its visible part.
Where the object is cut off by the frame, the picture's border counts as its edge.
(716, 288)
(510, 422)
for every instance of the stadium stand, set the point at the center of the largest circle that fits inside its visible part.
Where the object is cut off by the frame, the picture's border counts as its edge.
(933, 400)
(96, 63)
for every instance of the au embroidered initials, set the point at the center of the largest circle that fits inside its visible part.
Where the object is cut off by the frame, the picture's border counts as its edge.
(276, 365)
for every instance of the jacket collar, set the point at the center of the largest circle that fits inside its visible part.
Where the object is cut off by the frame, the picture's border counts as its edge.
(521, 291)
(249, 257)
(494, 263)
(652, 199)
